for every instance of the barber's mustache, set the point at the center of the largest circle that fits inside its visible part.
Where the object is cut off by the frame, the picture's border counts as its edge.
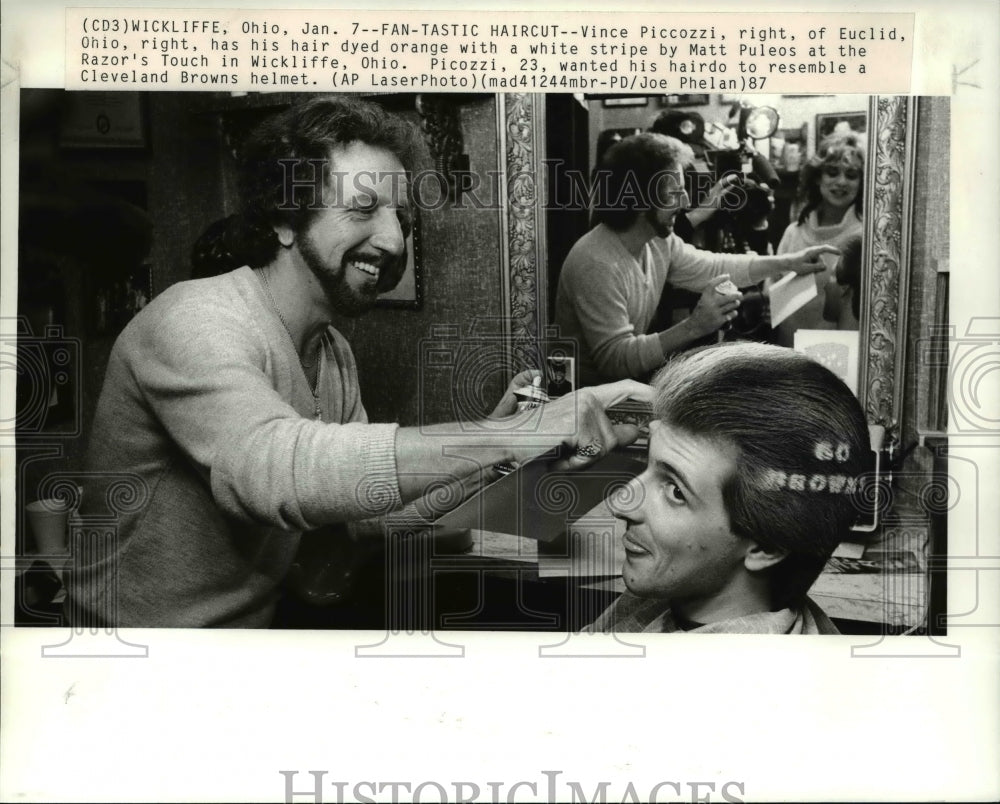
(391, 267)
(391, 275)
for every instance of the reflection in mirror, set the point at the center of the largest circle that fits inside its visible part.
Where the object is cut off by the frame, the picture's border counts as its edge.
(799, 165)
(900, 201)
(829, 210)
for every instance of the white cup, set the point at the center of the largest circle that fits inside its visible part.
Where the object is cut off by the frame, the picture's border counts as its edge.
(49, 523)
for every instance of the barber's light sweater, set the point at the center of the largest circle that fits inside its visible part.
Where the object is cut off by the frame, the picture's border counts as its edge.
(606, 299)
(206, 410)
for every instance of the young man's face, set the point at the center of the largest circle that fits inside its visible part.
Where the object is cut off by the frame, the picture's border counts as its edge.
(679, 544)
(357, 236)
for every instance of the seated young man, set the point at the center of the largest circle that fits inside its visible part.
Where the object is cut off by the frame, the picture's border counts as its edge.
(755, 455)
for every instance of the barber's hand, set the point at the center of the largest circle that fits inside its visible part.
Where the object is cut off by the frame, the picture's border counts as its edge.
(808, 260)
(714, 309)
(580, 423)
(507, 406)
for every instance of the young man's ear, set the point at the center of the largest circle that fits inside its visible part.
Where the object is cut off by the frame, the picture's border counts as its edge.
(758, 558)
(285, 234)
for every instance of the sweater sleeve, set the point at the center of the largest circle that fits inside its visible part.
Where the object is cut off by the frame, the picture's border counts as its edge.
(691, 268)
(599, 294)
(204, 376)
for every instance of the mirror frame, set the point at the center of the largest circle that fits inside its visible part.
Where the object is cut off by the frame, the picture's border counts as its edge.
(524, 276)
(885, 284)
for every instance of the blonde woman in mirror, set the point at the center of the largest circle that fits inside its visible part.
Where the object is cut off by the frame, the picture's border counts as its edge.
(830, 194)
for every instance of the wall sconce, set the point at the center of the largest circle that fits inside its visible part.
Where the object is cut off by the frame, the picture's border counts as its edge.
(440, 121)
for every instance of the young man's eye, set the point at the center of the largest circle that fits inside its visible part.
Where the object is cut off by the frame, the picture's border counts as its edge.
(674, 493)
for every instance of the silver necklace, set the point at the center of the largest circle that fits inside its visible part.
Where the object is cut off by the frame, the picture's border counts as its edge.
(313, 386)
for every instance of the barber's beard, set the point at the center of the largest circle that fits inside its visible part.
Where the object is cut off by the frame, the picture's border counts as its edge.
(343, 297)
(661, 228)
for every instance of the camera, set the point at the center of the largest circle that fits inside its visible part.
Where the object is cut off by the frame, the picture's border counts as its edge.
(45, 370)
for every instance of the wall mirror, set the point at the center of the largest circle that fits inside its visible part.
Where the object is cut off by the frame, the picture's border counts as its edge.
(534, 130)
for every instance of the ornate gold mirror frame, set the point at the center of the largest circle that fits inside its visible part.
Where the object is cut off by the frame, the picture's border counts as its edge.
(521, 151)
(885, 285)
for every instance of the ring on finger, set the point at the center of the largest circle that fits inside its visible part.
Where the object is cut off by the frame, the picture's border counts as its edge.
(591, 450)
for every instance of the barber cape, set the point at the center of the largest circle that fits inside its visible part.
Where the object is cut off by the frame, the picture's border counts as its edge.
(631, 614)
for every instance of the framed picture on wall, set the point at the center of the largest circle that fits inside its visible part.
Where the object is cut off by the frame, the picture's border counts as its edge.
(625, 100)
(841, 123)
(683, 100)
(103, 120)
(409, 293)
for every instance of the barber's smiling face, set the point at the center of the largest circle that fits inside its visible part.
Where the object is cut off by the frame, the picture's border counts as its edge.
(679, 544)
(355, 244)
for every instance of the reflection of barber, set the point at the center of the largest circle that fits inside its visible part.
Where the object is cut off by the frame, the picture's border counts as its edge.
(732, 218)
(689, 128)
(614, 275)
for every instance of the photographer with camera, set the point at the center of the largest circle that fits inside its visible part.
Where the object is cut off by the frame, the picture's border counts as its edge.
(234, 403)
(730, 216)
(613, 277)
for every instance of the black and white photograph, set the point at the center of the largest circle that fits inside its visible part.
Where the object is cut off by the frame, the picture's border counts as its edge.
(211, 404)
(212, 423)
(561, 374)
(333, 385)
